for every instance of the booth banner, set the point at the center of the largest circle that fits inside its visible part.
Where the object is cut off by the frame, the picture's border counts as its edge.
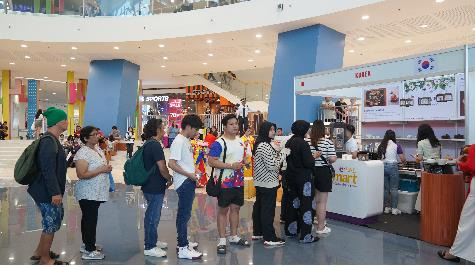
(175, 111)
(381, 103)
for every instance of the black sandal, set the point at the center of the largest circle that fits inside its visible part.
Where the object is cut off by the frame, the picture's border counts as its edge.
(58, 262)
(443, 253)
(52, 255)
(241, 242)
(221, 249)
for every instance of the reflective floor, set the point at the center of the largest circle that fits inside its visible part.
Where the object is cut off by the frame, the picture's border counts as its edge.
(120, 231)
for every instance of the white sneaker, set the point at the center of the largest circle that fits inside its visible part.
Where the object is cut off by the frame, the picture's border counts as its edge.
(325, 231)
(387, 210)
(396, 212)
(276, 243)
(189, 253)
(162, 245)
(155, 252)
(192, 245)
(93, 255)
(82, 249)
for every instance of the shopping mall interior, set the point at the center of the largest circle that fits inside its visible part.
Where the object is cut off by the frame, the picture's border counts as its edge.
(369, 65)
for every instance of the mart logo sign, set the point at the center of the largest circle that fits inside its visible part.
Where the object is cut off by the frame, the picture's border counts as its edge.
(346, 177)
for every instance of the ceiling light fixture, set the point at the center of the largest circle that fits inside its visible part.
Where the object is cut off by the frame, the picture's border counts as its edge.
(257, 51)
(73, 58)
(365, 17)
(161, 45)
(250, 60)
(209, 41)
(116, 47)
(46, 99)
(204, 63)
(165, 58)
(74, 48)
(162, 66)
(351, 51)
(210, 54)
(258, 35)
(424, 26)
(63, 65)
(40, 89)
(54, 93)
(361, 39)
(27, 57)
(23, 46)
(473, 29)
(439, 1)
(408, 41)
(46, 77)
(12, 63)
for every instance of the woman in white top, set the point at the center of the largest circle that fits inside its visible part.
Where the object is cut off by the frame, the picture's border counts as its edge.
(428, 146)
(129, 141)
(91, 190)
(39, 123)
(391, 152)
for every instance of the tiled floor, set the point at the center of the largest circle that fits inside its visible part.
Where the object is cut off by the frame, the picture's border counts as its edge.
(120, 231)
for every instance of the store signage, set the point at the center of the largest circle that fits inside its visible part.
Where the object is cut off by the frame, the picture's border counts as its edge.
(363, 74)
(160, 98)
(346, 177)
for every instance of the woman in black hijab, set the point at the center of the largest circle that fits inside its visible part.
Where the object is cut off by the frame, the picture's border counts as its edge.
(300, 185)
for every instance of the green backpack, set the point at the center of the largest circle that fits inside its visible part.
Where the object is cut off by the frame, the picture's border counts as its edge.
(26, 171)
(134, 168)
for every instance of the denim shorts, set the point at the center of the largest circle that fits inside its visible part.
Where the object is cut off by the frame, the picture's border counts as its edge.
(52, 217)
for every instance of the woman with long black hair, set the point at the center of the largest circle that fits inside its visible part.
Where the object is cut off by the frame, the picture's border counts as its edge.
(300, 188)
(428, 146)
(266, 181)
(390, 151)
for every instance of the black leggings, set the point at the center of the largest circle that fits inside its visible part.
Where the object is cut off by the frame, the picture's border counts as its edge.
(130, 149)
(89, 209)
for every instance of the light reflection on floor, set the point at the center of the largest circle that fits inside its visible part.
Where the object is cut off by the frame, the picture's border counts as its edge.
(120, 231)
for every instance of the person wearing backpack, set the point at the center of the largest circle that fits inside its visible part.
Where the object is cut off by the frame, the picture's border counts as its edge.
(154, 188)
(184, 180)
(48, 188)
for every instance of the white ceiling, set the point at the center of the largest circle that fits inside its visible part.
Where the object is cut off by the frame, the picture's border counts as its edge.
(390, 24)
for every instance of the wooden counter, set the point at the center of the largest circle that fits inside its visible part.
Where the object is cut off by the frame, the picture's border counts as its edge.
(443, 196)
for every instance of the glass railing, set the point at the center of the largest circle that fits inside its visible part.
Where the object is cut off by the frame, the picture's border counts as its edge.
(93, 8)
(251, 90)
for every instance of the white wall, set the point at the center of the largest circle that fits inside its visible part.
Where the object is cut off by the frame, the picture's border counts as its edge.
(246, 15)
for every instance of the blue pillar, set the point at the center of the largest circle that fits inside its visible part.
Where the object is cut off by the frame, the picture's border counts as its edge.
(303, 51)
(32, 105)
(112, 94)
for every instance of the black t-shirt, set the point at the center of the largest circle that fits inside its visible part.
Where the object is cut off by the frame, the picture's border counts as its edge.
(340, 106)
(152, 153)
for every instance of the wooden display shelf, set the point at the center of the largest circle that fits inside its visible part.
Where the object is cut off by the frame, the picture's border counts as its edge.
(443, 196)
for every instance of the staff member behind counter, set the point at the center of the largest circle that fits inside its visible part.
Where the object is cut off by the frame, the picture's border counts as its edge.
(351, 146)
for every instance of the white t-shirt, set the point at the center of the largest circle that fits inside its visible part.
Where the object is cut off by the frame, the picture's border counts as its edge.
(351, 145)
(182, 151)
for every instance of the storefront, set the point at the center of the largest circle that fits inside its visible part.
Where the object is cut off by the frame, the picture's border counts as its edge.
(399, 94)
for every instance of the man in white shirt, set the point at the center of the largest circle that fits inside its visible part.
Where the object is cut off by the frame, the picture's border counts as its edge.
(328, 107)
(242, 114)
(185, 177)
(351, 146)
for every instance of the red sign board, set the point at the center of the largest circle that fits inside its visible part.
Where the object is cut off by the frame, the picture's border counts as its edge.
(363, 74)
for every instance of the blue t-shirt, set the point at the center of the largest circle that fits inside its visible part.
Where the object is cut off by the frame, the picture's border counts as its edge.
(152, 153)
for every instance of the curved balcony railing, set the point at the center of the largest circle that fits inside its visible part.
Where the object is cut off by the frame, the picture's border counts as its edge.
(93, 8)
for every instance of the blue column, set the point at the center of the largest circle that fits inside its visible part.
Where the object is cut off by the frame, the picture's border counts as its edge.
(303, 51)
(112, 94)
(32, 104)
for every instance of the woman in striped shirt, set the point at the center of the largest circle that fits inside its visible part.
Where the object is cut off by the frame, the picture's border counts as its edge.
(266, 181)
(324, 153)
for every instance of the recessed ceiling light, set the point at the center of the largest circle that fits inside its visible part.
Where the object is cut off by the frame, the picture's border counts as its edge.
(209, 41)
(473, 29)
(258, 35)
(23, 46)
(46, 77)
(63, 65)
(161, 45)
(439, 1)
(116, 47)
(12, 63)
(204, 63)
(73, 58)
(250, 60)
(162, 66)
(165, 58)
(365, 17)
(40, 89)
(46, 99)
(361, 38)
(408, 41)
(424, 26)
(257, 51)
(74, 48)
(54, 93)
(27, 57)
(210, 54)
(351, 51)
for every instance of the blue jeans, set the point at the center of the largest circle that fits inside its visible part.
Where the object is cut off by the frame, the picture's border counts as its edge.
(391, 184)
(186, 195)
(152, 218)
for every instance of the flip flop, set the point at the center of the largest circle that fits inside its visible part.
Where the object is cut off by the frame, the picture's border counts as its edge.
(58, 262)
(51, 255)
(443, 253)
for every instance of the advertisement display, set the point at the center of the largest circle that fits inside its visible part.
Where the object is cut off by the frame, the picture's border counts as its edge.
(434, 98)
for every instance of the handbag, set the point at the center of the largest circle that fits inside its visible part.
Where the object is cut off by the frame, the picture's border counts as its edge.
(212, 187)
